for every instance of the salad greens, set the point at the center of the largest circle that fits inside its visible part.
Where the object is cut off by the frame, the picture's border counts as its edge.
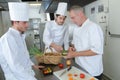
(35, 51)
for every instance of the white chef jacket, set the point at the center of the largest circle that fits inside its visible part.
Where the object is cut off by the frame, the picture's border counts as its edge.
(14, 56)
(55, 33)
(89, 37)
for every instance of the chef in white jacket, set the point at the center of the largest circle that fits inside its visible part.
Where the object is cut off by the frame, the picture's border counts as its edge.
(14, 56)
(88, 43)
(56, 32)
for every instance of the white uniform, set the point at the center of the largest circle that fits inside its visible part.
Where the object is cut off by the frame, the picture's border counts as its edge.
(57, 34)
(14, 57)
(89, 37)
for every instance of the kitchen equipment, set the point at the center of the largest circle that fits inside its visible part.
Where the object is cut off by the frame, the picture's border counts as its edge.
(74, 70)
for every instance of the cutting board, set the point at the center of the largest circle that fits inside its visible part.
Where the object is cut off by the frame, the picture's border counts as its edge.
(73, 71)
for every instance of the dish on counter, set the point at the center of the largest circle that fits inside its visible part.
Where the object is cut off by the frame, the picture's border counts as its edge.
(47, 71)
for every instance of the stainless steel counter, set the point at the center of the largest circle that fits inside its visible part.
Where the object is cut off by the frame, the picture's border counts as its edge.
(40, 76)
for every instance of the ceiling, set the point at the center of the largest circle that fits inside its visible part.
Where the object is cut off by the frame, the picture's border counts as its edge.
(51, 5)
(47, 5)
(4, 5)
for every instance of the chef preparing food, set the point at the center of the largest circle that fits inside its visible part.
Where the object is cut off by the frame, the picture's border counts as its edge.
(56, 32)
(87, 43)
(14, 56)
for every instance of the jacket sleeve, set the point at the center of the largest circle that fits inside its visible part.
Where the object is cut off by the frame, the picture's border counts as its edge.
(30, 60)
(47, 38)
(28, 54)
(73, 41)
(18, 70)
(66, 38)
(96, 39)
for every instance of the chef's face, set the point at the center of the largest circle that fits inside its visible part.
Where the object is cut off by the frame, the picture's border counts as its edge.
(60, 19)
(76, 17)
(21, 26)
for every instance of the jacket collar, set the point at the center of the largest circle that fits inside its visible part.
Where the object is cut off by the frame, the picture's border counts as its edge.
(57, 24)
(17, 32)
(87, 20)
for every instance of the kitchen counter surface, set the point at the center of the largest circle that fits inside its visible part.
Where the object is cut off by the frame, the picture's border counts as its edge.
(40, 76)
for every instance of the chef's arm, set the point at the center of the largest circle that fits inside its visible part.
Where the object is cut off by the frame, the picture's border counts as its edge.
(38, 67)
(58, 48)
(34, 65)
(72, 53)
(52, 44)
(86, 53)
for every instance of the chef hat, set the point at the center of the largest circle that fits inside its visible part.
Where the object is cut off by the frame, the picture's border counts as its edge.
(62, 9)
(18, 11)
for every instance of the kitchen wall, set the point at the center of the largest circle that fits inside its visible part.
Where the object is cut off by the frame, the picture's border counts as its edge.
(1, 24)
(34, 13)
(5, 22)
(112, 67)
(105, 18)
(37, 24)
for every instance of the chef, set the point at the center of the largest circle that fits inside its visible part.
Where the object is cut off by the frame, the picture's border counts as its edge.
(56, 32)
(87, 43)
(14, 56)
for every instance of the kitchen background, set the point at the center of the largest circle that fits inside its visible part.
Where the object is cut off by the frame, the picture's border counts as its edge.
(103, 12)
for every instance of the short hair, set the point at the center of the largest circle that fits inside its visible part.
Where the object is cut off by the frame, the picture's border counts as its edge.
(76, 8)
(59, 15)
(13, 22)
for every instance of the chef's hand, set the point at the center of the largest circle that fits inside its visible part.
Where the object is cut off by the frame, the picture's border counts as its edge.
(71, 49)
(71, 53)
(38, 67)
(58, 48)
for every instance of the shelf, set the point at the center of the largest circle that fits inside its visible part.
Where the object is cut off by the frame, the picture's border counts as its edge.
(34, 28)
